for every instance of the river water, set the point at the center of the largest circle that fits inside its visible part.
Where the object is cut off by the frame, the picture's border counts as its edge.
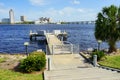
(12, 37)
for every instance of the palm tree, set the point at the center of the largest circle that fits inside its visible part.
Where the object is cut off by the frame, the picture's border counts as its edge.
(107, 26)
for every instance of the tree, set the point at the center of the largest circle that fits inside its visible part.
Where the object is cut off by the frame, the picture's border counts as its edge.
(107, 26)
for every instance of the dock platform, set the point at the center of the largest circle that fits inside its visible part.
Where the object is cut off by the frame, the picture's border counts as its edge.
(62, 35)
(55, 41)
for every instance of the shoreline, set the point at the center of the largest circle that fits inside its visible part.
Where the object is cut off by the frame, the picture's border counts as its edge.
(12, 53)
(9, 61)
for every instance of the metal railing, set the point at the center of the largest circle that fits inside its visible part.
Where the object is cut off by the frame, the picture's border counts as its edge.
(62, 49)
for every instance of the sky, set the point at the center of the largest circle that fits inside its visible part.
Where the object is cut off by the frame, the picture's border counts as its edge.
(57, 10)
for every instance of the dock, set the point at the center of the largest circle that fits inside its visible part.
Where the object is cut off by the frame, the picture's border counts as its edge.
(57, 46)
(35, 34)
(55, 41)
(62, 35)
(64, 64)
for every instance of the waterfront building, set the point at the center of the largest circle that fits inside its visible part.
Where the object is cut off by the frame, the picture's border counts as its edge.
(43, 20)
(11, 16)
(49, 20)
(23, 18)
(5, 21)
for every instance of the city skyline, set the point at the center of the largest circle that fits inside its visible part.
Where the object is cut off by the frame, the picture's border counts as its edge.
(58, 10)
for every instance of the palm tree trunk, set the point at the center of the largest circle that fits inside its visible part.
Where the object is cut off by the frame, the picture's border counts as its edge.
(112, 47)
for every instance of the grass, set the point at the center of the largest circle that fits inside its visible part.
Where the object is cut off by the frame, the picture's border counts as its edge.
(11, 75)
(2, 60)
(111, 61)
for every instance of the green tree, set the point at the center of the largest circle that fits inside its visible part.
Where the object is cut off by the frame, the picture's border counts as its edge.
(107, 26)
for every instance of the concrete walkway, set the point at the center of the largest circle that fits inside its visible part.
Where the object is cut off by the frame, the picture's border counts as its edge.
(74, 67)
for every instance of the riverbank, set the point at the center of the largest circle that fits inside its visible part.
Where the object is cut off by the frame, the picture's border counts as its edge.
(10, 61)
(8, 68)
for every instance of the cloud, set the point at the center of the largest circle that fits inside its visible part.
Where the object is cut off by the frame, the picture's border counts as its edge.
(3, 9)
(75, 2)
(37, 2)
(64, 14)
(70, 14)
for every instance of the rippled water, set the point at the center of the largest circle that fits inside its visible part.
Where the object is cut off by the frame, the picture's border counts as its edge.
(12, 37)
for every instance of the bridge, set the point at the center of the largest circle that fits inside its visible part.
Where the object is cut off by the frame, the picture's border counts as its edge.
(81, 22)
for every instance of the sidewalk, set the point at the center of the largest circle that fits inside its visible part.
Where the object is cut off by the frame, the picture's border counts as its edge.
(74, 67)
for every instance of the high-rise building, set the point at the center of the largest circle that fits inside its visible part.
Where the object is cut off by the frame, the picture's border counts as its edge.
(22, 18)
(11, 16)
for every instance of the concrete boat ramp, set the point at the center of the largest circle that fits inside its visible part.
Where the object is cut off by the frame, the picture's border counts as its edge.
(74, 67)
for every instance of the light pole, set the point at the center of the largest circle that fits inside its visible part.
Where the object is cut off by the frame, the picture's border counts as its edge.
(99, 42)
(26, 45)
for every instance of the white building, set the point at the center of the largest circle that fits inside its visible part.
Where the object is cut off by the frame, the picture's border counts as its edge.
(43, 20)
(11, 16)
(37, 22)
(5, 20)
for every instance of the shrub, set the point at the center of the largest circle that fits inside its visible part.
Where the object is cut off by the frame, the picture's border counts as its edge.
(100, 55)
(34, 62)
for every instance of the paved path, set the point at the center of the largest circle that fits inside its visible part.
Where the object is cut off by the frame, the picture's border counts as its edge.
(74, 67)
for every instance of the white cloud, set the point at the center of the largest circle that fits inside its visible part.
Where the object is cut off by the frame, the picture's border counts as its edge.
(75, 2)
(69, 14)
(37, 2)
(64, 14)
(2, 8)
(2, 11)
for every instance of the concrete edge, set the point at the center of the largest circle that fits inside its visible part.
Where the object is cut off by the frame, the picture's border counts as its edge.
(108, 68)
(82, 54)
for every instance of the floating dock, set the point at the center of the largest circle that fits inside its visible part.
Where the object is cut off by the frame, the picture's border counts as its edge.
(34, 35)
